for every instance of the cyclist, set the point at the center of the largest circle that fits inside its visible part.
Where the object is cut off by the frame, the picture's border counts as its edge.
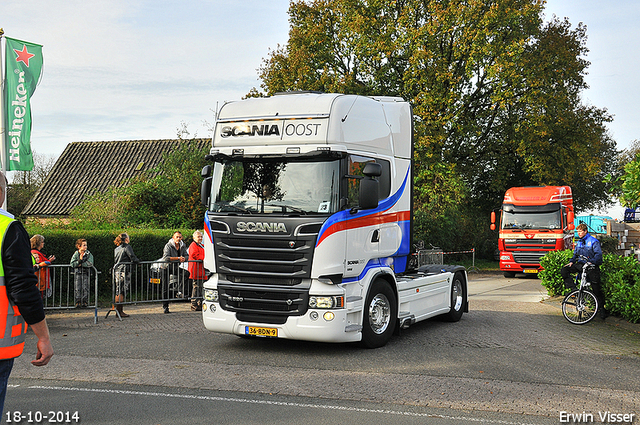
(586, 247)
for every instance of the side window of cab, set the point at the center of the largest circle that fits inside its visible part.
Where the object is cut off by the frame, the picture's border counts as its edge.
(356, 165)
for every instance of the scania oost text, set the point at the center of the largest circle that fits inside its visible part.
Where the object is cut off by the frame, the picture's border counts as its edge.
(534, 221)
(309, 219)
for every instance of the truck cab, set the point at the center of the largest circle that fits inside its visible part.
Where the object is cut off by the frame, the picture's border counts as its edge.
(533, 221)
(309, 211)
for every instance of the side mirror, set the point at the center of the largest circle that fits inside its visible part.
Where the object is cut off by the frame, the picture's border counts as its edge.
(570, 219)
(368, 196)
(369, 186)
(493, 220)
(206, 171)
(372, 169)
(205, 191)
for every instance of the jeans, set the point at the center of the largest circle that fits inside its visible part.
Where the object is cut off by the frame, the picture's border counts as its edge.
(82, 286)
(5, 371)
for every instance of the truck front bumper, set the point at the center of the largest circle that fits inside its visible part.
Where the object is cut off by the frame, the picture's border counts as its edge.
(314, 325)
(520, 268)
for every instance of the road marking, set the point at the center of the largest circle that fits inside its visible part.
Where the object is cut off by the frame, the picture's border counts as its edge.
(278, 403)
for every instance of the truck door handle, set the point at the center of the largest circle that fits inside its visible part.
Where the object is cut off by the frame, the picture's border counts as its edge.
(376, 236)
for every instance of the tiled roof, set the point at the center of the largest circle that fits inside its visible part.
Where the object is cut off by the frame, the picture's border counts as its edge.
(85, 167)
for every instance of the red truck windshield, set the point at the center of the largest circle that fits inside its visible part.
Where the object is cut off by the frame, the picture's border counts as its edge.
(531, 217)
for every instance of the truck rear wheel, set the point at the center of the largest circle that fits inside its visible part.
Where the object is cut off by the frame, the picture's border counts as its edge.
(458, 298)
(380, 315)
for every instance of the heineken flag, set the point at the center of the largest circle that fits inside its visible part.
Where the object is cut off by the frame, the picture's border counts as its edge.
(23, 66)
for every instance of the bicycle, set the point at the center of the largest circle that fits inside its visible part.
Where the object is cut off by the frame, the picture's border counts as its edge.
(581, 305)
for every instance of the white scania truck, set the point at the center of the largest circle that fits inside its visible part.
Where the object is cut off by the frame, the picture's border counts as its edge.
(309, 219)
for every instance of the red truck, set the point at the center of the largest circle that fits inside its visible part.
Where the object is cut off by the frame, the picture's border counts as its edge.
(533, 221)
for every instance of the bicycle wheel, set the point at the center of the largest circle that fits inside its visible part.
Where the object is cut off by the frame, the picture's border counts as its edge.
(579, 307)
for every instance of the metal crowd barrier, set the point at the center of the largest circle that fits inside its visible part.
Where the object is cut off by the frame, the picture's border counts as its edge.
(430, 256)
(61, 292)
(436, 256)
(150, 282)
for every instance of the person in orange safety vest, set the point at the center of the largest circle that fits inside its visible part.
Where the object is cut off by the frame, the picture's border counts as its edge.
(20, 302)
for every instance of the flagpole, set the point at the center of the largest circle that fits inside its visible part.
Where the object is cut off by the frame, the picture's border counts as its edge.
(3, 126)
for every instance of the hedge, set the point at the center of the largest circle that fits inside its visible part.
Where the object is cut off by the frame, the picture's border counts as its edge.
(147, 244)
(620, 281)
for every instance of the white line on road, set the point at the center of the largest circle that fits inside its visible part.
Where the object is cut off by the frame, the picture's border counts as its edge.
(277, 403)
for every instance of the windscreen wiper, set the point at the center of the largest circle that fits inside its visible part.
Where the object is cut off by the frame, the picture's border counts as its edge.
(288, 207)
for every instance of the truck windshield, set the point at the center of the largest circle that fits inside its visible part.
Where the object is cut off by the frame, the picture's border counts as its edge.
(275, 187)
(531, 220)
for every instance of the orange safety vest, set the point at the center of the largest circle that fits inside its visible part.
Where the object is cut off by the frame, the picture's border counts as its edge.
(12, 325)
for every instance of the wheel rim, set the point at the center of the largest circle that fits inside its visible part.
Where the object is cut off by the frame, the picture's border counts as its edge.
(456, 295)
(379, 314)
(579, 308)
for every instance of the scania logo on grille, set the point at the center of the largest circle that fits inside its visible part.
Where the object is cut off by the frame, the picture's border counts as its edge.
(292, 244)
(252, 227)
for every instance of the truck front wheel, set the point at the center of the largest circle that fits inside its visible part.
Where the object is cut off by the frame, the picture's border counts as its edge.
(380, 315)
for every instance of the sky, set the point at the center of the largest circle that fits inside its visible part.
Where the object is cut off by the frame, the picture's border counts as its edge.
(138, 69)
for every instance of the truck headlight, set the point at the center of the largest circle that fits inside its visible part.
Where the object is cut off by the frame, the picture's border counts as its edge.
(326, 302)
(211, 295)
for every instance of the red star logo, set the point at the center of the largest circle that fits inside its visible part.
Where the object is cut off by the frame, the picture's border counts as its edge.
(24, 55)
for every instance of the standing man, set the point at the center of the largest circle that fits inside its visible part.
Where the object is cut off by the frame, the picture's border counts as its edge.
(20, 300)
(587, 247)
(175, 251)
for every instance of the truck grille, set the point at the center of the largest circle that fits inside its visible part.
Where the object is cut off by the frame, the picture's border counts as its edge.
(529, 244)
(264, 260)
(531, 257)
(275, 304)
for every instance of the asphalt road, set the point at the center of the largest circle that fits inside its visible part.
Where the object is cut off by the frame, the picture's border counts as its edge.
(512, 359)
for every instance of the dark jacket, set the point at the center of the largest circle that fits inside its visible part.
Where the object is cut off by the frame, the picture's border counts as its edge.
(20, 280)
(589, 247)
(124, 254)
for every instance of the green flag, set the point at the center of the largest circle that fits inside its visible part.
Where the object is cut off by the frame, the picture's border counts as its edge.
(23, 67)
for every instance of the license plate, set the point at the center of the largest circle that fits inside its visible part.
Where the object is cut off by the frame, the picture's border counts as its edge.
(530, 271)
(155, 280)
(257, 331)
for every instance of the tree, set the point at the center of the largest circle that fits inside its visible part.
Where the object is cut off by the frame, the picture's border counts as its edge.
(629, 184)
(495, 91)
(25, 184)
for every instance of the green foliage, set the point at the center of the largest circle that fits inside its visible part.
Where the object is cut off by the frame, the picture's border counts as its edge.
(621, 285)
(460, 229)
(630, 186)
(165, 197)
(550, 277)
(620, 278)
